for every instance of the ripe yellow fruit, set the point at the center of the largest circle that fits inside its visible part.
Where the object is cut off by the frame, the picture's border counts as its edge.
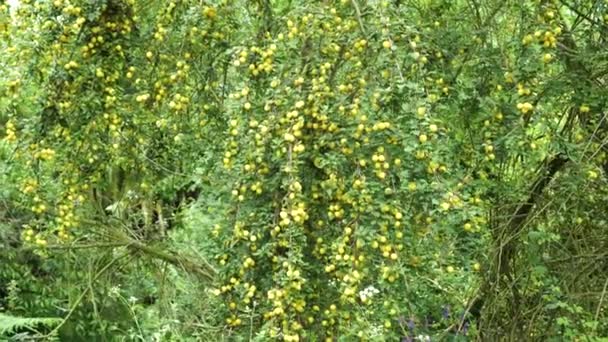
(547, 58)
(387, 44)
(289, 137)
(433, 128)
(592, 174)
(450, 269)
(525, 107)
(421, 111)
(422, 138)
(476, 267)
(209, 12)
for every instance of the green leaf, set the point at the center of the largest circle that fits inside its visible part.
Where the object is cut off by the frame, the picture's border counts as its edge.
(11, 324)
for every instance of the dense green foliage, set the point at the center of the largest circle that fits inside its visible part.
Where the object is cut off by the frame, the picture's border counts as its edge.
(304, 170)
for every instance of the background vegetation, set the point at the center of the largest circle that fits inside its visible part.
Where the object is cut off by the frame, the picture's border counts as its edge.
(304, 170)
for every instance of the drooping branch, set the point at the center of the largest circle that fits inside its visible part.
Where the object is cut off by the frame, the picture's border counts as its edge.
(506, 239)
(520, 216)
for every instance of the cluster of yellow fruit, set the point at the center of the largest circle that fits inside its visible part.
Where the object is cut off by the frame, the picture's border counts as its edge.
(39, 207)
(29, 185)
(522, 90)
(45, 154)
(32, 237)
(525, 107)
(11, 132)
(548, 38)
(260, 60)
(322, 197)
(312, 121)
(61, 216)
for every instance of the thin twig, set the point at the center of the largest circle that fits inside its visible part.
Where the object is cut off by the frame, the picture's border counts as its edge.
(82, 295)
(356, 6)
(599, 305)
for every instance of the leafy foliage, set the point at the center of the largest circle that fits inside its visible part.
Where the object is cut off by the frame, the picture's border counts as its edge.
(305, 170)
(11, 324)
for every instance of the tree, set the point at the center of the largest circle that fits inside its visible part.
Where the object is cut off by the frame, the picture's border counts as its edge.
(369, 169)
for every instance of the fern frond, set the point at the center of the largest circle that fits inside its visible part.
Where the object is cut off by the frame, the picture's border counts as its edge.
(10, 324)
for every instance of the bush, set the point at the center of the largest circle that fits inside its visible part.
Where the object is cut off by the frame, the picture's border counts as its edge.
(296, 170)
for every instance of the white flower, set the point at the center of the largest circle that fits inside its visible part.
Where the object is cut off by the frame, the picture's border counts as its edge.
(368, 292)
(376, 330)
(114, 291)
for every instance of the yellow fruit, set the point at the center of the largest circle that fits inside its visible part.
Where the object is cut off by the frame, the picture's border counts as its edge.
(525, 107)
(289, 137)
(592, 174)
(209, 12)
(421, 111)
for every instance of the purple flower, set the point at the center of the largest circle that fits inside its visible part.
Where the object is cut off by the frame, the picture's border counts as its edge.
(465, 328)
(446, 312)
(411, 324)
